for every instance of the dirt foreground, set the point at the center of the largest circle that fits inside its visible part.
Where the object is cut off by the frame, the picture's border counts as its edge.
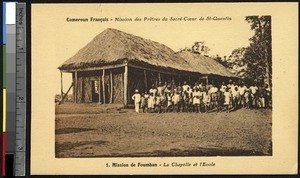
(91, 130)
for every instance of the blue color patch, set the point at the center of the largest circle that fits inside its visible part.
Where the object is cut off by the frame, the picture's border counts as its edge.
(4, 23)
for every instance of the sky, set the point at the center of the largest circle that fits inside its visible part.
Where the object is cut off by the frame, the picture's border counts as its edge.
(55, 40)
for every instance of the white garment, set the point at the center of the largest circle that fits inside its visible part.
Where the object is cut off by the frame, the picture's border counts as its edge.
(137, 107)
(235, 94)
(242, 90)
(151, 101)
(160, 90)
(185, 87)
(196, 99)
(206, 98)
(176, 98)
(227, 98)
(223, 88)
(253, 89)
(153, 91)
(136, 97)
(213, 90)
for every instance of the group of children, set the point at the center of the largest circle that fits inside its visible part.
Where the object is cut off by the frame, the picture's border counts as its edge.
(202, 98)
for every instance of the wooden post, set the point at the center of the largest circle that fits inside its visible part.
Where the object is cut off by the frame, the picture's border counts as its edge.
(75, 87)
(159, 77)
(145, 77)
(125, 84)
(99, 90)
(61, 87)
(206, 80)
(103, 85)
(111, 87)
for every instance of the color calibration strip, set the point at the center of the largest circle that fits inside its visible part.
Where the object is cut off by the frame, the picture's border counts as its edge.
(14, 89)
(9, 81)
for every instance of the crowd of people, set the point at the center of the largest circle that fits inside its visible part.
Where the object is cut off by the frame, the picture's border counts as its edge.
(202, 98)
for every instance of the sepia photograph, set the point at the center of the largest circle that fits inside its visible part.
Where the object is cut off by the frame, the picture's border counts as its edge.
(131, 96)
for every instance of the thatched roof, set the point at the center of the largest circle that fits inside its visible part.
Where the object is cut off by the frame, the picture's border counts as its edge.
(205, 65)
(115, 47)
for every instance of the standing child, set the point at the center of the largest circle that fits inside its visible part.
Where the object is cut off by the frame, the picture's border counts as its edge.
(137, 99)
(158, 103)
(146, 100)
(227, 98)
(169, 101)
(235, 97)
(151, 102)
(176, 100)
(190, 99)
(206, 100)
(143, 102)
(196, 99)
(247, 98)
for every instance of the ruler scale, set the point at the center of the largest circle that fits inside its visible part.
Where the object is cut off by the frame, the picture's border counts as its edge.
(20, 126)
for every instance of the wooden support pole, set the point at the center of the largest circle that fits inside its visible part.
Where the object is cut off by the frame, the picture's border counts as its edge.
(125, 85)
(103, 85)
(99, 90)
(207, 80)
(61, 87)
(65, 95)
(75, 88)
(145, 80)
(159, 77)
(111, 87)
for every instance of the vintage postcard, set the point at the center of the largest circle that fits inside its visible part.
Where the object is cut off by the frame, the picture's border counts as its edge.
(169, 88)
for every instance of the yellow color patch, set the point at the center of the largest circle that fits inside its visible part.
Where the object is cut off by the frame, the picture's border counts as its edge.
(4, 110)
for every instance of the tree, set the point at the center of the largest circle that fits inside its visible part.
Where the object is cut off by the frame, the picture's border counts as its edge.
(198, 47)
(236, 62)
(258, 56)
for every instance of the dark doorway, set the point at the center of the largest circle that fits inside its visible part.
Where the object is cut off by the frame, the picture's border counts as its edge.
(95, 91)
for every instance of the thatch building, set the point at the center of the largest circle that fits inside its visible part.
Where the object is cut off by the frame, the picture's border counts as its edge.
(110, 67)
(212, 71)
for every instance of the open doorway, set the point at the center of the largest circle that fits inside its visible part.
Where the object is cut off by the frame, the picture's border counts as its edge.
(95, 91)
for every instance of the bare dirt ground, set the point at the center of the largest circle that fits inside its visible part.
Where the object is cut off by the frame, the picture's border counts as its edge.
(91, 130)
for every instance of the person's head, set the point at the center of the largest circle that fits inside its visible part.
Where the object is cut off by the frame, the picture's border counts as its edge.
(159, 84)
(230, 82)
(146, 92)
(184, 82)
(233, 82)
(136, 91)
(153, 86)
(143, 94)
(223, 83)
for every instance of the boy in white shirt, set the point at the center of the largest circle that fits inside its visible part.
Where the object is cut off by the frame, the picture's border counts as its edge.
(253, 94)
(242, 89)
(137, 99)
